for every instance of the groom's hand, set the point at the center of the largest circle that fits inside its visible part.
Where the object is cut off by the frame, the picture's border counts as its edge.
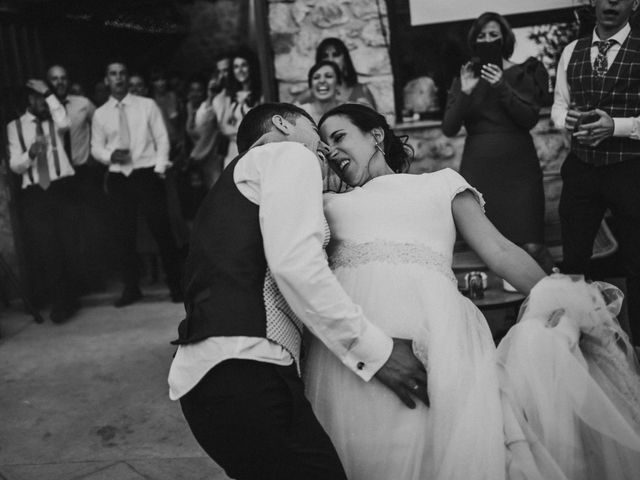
(404, 374)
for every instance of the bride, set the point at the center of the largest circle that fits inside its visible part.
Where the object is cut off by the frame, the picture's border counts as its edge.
(392, 247)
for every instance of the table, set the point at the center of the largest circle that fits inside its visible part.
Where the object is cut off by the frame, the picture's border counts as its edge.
(494, 295)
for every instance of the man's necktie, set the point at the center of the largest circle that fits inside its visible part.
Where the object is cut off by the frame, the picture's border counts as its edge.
(601, 64)
(123, 129)
(125, 137)
(42, 165)
(67, 134)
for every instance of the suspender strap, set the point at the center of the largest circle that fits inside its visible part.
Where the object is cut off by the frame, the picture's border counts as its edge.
(54, 147)
(23, 145)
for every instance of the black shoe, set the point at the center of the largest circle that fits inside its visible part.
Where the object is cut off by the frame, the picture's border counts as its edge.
(62, 312)
(128, 297)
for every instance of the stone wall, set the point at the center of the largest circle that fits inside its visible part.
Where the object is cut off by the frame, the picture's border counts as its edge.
(298, 26)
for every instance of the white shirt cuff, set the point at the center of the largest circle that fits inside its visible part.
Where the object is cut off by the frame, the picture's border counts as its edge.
(369, 353)
(622, 127)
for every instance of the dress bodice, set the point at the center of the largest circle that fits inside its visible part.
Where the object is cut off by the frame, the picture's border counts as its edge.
(396, 217)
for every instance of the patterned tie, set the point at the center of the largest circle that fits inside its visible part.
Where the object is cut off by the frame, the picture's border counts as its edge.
(42, 164)
(601, 64)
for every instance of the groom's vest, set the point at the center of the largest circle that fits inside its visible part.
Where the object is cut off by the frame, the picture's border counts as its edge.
(618, 94)
(229, 290)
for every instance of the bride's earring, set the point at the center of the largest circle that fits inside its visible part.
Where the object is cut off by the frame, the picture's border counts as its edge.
(380, 149)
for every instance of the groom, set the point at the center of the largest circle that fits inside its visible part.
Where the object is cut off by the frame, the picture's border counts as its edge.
(255, 271)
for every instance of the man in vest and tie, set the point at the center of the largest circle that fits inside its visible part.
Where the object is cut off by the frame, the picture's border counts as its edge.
(597, 99)
(257, 273)
(129, 135)
(47, 199)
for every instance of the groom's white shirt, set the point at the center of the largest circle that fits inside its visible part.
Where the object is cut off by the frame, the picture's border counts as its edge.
(285, 180)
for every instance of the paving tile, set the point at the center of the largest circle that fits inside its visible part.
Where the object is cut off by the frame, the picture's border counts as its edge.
(51, 471)
(119, 471)
(197, 468)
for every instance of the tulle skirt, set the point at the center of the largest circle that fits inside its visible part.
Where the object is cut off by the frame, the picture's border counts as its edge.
(375, 434)
(560, 399)
(573, 374)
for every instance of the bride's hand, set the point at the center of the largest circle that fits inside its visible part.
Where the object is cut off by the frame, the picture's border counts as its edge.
(404, 374)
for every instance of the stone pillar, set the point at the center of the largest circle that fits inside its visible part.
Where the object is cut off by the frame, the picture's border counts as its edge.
(298, 26)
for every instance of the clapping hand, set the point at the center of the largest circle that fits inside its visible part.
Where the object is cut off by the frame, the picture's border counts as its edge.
(492, 74)
(405, 374)
(593, 133)
(468, 79)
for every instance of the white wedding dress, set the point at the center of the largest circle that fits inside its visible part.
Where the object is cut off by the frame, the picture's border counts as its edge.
(392, 247)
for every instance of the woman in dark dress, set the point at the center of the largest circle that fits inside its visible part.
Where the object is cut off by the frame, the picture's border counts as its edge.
(498, 108)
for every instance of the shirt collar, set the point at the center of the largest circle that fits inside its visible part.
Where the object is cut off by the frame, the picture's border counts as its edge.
(619, 37)
(29, 117)
(125, 101)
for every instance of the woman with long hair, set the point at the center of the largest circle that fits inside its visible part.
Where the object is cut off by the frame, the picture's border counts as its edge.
(243, 92)
(351, 90)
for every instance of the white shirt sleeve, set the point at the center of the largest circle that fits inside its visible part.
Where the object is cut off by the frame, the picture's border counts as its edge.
(19, 161)
(99, 148)
(58, 113)
(288, 190)
(562, 96)
(160, 136)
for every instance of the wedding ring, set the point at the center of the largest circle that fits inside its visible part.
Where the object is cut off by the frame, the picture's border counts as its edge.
(415, 386)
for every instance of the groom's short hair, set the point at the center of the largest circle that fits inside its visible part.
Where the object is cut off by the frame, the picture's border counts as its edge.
(257, 121)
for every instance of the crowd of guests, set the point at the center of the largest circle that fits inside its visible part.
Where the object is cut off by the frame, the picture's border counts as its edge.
(164, 143)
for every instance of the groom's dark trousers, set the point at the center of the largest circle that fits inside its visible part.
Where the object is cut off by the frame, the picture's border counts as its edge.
(254, 420)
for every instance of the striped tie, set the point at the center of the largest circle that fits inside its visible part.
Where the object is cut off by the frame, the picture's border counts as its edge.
(601, 64)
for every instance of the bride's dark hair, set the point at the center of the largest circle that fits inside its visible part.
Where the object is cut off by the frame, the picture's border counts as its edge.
(398, 153)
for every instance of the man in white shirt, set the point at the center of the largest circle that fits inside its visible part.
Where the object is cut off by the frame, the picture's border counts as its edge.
(47, 199)
(80, 111)
(129, 136)
(257, 273)
(91, 231)
(597, 99)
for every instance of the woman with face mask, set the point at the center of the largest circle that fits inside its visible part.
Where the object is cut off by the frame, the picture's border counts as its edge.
(324, 81)
(498, 102)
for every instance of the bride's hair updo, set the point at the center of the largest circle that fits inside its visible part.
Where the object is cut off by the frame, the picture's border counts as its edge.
(398, 153)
